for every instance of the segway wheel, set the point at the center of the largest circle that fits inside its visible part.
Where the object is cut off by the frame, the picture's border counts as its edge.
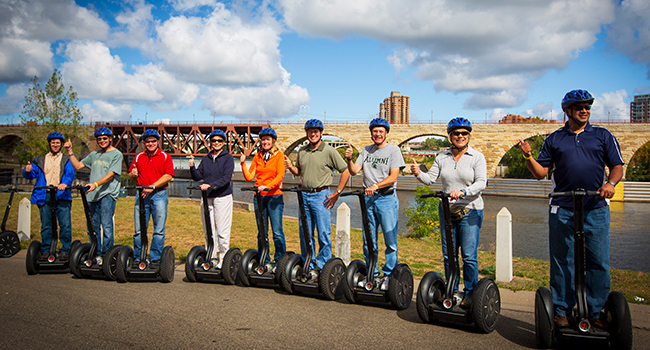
(281, 265)
(167, 264)
(617, 311)
(543, 320)
(73, 246)
(195, 258)
(430, 290)
(355, 273)
(291, 273)
(109, 266)
(9, 244)
(330, 278)
(231, 265)
(486, 305)
(249, 262)
(400, 287)
(32, 255)
(124, 259)
(77, 257)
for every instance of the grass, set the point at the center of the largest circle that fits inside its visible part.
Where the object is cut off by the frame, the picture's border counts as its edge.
(184, 231)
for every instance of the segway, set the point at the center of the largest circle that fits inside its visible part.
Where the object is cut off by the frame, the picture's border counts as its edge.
(198, 265)
(83, 260)
(125, 270)
(297, 277)
(9, 241)
(619, 334)
(436, 300)
(33, 263)
(360, 282)
(254, 268)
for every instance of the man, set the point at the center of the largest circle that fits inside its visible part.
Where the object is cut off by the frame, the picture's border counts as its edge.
(315, 163)
(153, 168)
(381, 163)
(105, 167)
(53, 169)
(578, 153)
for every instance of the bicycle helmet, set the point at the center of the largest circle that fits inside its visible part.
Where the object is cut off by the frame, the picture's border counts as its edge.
(314, 124)
(380, 122)
(103, 131)
(268, 132)
(150, 132)
(217, 132)
(576, 96)
(457, 123)
(55, 135)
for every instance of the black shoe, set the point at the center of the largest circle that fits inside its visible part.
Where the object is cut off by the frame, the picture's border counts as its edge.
(155, 265)
(466, 303)
(63, 257)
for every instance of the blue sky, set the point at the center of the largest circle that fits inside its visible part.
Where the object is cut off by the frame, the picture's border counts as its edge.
(204, 60)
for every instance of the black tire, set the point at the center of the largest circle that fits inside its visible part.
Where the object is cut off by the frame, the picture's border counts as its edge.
(109, 266)
(73, 246)
(486, 305)
(400, 287)
(124, 260)
(330, 278)
(231, 265)
(167, 265)
(618, 314)
(32, 255)
(9, 244)
(281, 265)
(543, 320)
(291, 273)
(77, 257)
(355, 272)
(430, 290)
(249, 262)
(195, 258)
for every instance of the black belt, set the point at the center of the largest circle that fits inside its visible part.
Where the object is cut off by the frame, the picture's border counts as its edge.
(386, 191)
(314, 190)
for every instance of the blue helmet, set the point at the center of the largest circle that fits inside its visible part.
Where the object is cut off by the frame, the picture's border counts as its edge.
(457, 123)
(379, 122)
(314, 124)
(150, 132)
(103, 131)
(268, 132)
(217, 132)
(575, 96)
(55, 135)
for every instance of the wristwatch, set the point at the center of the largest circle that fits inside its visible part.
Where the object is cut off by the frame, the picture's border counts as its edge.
(338, 191)
(612, 183)
(464, 193)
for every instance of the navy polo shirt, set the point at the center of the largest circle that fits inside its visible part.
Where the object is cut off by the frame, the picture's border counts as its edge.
(579, 160)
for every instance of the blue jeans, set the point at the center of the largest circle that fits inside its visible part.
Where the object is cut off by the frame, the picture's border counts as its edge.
(318, 217)
(466, 232)
(560, 237)
(156, 208)
(272, 209)
(65, 225)
(102, 213)
(384, 211)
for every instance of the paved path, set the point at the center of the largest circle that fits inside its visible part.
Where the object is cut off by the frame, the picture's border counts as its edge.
(60, 311)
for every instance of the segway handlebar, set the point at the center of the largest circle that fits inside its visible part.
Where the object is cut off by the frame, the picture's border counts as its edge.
(352, 193)
(578, 192)
(254, 188)
(199, 188)
(438, 194)
(138, 187)
(48, 187)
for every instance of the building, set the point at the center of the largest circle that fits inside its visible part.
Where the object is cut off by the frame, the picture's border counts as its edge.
(639, 109)
(517, 119)
(395, 109)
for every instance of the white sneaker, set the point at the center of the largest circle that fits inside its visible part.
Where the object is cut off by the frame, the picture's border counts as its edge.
(99, 260)
(384, 283)
(216, 263)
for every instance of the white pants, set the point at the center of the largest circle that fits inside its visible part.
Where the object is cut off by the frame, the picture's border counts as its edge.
(221, 220)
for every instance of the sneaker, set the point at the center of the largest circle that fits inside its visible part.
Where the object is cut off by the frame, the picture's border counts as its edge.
(64, 256)
(384, 283)
(466, 303)
(600, 323)
(313, 276)
(216, 263)
(99, 260)
(561, 321)
(155, 265)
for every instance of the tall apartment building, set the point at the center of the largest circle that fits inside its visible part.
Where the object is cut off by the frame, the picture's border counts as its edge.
(639, 109)
(395, 109)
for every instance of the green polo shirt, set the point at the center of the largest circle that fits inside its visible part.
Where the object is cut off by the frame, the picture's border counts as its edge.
(316, 166)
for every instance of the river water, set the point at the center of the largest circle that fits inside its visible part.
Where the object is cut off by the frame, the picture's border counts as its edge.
(629, 230)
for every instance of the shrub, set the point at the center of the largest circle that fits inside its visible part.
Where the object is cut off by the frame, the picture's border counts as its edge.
(423, 216)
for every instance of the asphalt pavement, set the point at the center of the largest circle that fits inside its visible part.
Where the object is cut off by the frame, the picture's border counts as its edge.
(60, 311)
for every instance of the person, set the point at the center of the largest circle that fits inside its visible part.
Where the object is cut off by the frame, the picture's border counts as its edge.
(381, 163)
(268, 165)
(216, 170)
(105, 166)
(578, 154)
(154, 168)
(53, 169)
(463, 172)
(315, 163)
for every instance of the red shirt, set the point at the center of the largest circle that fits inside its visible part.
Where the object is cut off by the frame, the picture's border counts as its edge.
(151, 169)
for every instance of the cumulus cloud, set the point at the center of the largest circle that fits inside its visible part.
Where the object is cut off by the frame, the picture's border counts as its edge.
(22, 59)
(611, 106)
(135, 27)
(630, 32)
(106, 112)
(187, 5)
(13, 99)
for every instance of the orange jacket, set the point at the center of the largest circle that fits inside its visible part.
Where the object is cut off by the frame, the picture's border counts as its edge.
(269, 174)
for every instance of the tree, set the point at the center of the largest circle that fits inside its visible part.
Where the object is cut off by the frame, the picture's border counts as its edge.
(516, 163)
(48, 109)
(639, 167)
(434, 143)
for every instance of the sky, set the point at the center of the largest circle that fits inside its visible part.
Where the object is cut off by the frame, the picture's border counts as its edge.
(286, 61)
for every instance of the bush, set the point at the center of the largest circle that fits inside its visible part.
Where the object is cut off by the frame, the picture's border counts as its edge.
(423, 216)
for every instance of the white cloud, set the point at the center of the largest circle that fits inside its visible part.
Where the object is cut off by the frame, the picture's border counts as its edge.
(136, 26)
(186, 5)
(611, 106)
(497, 114)
(630, 32)
(22, 59)
(106, 112)
(13, 99)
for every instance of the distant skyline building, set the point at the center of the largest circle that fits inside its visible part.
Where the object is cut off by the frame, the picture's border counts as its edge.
(395, 109)
(639, 109)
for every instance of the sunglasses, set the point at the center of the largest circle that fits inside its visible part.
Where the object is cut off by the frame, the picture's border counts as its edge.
(151, 141)
(579, 108)
(217, 141)
(458, 133)
(105, 138)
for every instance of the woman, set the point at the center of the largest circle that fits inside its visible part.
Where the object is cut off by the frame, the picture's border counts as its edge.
(268, 165)
(463, 173)
(216, 170)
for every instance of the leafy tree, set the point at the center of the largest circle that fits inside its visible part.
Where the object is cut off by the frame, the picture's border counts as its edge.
(516, 163)
(432, 143)
(639, 167)
(423, 216)
(48, 109)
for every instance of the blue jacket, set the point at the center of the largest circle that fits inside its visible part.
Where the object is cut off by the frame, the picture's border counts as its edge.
(38, 173)
(217, 172)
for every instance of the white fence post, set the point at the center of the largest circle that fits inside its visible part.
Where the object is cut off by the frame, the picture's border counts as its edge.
(504, 246)
(24, 219)
(343, 233)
